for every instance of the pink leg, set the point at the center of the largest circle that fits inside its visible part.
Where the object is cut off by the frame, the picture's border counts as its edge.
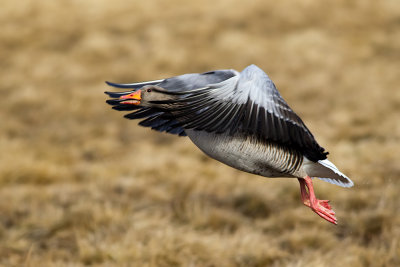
(320, 207)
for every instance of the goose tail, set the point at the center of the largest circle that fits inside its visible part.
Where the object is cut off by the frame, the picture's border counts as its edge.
(328, 172)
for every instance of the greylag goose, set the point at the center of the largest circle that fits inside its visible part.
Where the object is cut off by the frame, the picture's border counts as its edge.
(239, 119)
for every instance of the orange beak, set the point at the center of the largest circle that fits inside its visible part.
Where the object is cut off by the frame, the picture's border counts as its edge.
(133, 98)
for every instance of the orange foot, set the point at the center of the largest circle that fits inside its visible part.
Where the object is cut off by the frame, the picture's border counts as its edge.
(320, 207)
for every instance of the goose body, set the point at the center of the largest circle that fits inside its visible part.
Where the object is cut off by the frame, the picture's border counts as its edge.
(247, 154)
(239, 119)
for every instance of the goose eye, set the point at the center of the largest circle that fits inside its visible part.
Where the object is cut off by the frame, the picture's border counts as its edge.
(148, 90)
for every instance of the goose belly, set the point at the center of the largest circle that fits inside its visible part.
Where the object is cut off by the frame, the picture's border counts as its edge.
(249, 154)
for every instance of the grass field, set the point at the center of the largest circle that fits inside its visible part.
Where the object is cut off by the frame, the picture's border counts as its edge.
(80, 185)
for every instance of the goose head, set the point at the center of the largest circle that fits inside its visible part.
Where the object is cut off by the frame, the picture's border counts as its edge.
(145, 96)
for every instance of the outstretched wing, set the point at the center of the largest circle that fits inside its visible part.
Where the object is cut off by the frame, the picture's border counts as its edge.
(249, 104)
(163, 120)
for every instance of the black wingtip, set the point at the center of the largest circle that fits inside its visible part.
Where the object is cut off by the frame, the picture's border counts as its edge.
(126, 107)
(116, 85)
(114, 102)
(121, 85)
(117, 94)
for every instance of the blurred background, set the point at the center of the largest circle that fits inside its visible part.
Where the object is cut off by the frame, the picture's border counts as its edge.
(80, 185)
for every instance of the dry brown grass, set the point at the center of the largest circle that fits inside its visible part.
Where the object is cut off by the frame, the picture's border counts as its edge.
(80, 185)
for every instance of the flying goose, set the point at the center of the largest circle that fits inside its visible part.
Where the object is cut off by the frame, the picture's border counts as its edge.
(239, 119)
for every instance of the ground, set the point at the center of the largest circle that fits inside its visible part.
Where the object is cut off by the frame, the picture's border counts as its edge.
(80, 185)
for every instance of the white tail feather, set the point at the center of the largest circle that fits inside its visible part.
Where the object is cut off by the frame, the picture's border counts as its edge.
(327, 171)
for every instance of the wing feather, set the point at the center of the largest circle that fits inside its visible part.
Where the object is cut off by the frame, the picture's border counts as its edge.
(248, 104)
(223, 102)
(161, 119)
